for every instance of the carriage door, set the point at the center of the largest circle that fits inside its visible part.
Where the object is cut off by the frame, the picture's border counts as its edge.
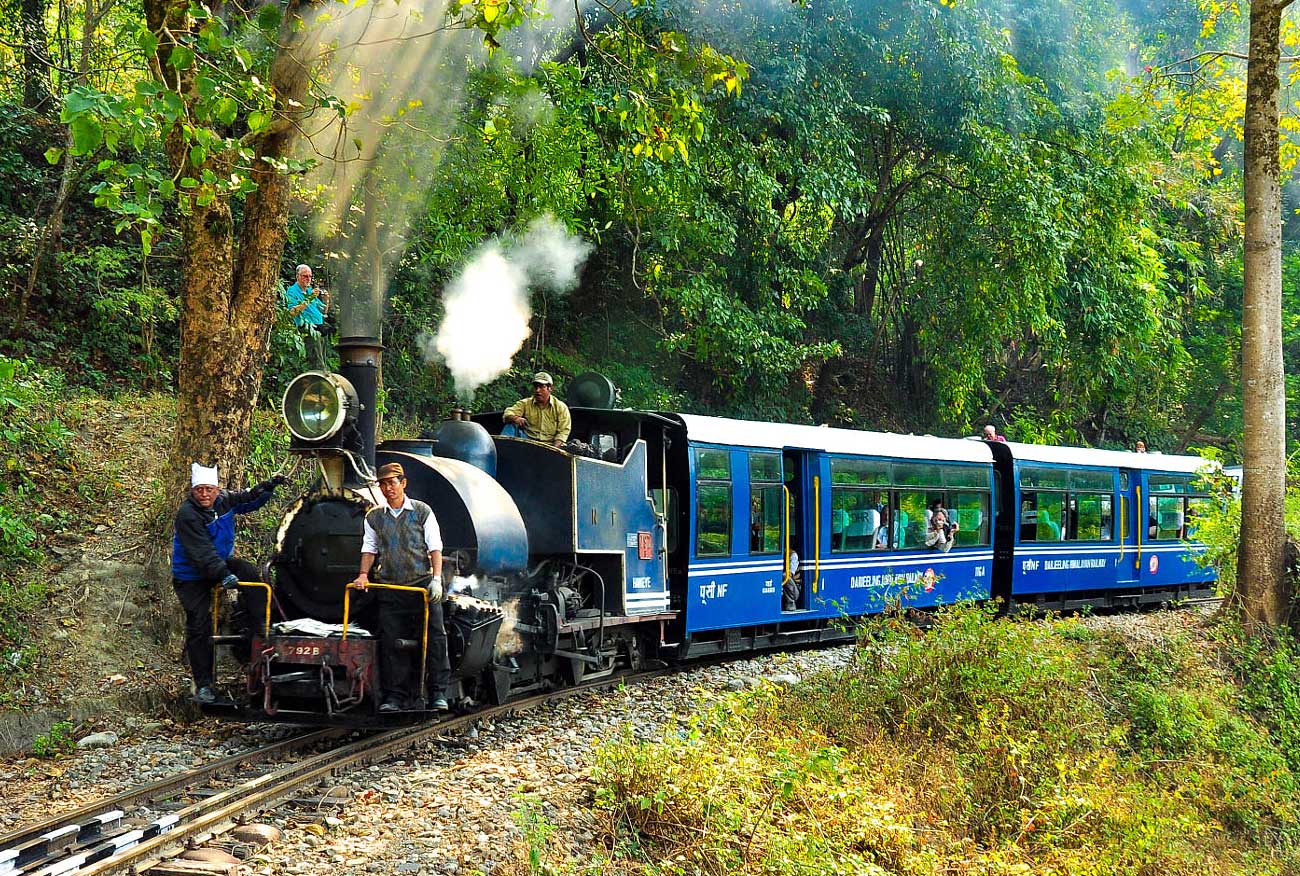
(1130, 520)
(798, 469)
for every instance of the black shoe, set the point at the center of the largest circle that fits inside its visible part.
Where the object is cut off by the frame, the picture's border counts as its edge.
(438, 704)
(390, 706)
(205, 696)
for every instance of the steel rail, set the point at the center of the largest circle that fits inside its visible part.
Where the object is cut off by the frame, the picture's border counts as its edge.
(162, 788)
(201, 821)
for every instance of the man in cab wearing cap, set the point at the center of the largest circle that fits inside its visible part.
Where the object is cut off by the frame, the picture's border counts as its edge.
(401, 544)
(543, 417)
(202, 547)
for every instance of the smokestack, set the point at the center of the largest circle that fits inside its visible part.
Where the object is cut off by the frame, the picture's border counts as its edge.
(359, 360)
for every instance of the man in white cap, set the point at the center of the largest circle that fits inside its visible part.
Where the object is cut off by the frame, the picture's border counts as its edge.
(542, 417)
(202, 549)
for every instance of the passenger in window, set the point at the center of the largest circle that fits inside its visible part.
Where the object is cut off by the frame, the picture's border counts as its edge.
(939, 536)
(936, 505)
(880, 540)
(991, 434)
(1141, 447)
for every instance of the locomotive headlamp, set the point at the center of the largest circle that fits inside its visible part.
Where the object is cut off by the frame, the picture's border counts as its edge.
(317, 405)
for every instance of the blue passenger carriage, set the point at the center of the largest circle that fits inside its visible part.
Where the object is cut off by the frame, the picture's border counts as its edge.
(844, 512)
(1095, 528)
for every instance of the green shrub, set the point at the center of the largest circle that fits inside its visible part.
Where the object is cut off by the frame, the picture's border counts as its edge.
(988, 745)
(56, 742)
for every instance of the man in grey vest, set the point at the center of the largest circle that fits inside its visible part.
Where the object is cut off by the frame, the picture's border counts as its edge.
(404, 537)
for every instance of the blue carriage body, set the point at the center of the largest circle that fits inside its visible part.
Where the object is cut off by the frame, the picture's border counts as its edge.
(1086, 521)
(851, 503)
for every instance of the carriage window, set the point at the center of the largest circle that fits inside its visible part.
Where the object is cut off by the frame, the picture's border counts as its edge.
(713, 520)
(1091, 517)
(713, 465)
(1042, 516)
(1197, 509)
(917, 475)
(857, 519)
(712, 503)
(908, 527)
(1056, 478)
(1166, 518)
(1169, 484)
(1093, 481)
(766, 503)
(966, 476)
(859, 471)
(971, 510)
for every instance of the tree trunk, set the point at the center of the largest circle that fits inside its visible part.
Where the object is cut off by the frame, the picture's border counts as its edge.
(36, 56)
(1261, 581)
(50, 237)
(229, 296)
(49, 241)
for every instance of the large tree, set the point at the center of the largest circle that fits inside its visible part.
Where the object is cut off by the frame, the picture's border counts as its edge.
(1265, 596)
(232, 92)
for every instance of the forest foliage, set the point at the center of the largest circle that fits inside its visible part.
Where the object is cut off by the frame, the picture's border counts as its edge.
(915, 215)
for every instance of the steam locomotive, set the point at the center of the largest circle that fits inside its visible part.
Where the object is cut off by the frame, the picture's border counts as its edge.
(674, 536)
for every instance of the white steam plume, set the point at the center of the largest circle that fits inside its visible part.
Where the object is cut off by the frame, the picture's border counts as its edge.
(486, 308)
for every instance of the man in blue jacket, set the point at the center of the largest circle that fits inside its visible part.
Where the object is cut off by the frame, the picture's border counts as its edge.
(202, 549)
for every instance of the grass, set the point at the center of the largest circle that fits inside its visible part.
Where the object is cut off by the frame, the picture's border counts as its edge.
(986, 746)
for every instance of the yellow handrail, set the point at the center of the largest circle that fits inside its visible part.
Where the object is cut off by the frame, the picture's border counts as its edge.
(1123, 524)
(424, 630)
(817, 532)
(1139, 515)
(785, 572)
(216, 606)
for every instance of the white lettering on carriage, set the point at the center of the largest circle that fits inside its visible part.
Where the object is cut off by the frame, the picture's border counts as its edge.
(713, 590)
(1087, 563)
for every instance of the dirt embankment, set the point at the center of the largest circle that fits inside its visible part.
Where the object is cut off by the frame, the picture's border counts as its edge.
(103, 640)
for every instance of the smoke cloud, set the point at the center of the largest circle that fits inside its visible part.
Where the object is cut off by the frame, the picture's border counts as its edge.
(487, 309)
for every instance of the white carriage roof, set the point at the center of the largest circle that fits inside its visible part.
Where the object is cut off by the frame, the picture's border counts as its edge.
(1108, 458)
(744, 433)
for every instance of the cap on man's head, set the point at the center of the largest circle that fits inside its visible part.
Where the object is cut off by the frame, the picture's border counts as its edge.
(202, 476)
(544, 378)
(391, 470)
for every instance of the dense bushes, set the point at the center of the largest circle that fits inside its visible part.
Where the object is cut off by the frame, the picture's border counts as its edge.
(985, 746)
(32, 441)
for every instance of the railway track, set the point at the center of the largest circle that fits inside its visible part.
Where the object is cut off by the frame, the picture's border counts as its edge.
(126, 834)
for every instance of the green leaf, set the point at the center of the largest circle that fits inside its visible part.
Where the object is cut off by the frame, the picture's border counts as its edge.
(256, 120)
(53, 154)
(87, 135)
(181, 58)
(205, 197)
(198, 155)
(226, 110)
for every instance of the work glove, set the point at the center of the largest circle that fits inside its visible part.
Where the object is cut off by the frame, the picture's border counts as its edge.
(230, 582)
(277, 481)
(435, 588)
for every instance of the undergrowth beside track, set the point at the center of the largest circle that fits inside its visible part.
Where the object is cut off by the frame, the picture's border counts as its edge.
(985, 746)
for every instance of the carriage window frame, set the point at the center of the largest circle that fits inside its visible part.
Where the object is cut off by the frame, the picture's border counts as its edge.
(1105, 510)
(875, 496)
(712, 480)
(765, 483)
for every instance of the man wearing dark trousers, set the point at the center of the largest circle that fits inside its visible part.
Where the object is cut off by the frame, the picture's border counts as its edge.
(202, 546)
(403, 536)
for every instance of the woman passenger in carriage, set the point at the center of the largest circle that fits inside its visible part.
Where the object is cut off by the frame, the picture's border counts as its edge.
(939, 535)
